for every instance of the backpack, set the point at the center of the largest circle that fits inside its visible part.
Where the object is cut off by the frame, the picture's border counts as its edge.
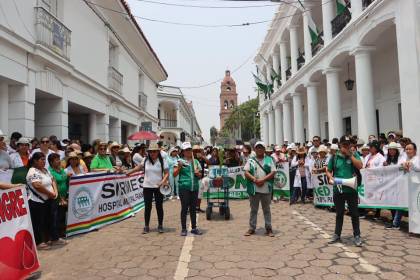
(356, 171)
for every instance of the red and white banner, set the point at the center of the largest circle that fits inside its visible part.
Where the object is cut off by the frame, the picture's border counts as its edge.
(18, 256)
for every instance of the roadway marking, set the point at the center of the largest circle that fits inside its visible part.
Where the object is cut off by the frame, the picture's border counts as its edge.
(349, 253)
(185, 256)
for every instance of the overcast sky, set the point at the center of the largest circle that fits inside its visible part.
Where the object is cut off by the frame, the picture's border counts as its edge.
(195, 56)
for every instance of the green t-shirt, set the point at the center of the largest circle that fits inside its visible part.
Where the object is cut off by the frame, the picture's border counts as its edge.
(343, 169)
(61, 179)
(186, 178)
(101, 162)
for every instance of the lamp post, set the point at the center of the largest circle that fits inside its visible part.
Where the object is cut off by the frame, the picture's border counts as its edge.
(255, 114)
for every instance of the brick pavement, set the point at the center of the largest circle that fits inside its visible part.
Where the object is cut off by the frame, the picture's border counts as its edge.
(298, 251)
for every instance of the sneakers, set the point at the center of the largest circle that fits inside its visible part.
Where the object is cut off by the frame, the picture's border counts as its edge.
(184, 232)
(335, 239)
(196, 231)
(391, 226)
(160, 229)
(249, 232)
(269, 232)
(358, 241)
(146, 230)
(199, 210)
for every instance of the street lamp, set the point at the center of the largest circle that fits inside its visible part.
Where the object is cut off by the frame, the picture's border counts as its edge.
(256, 114)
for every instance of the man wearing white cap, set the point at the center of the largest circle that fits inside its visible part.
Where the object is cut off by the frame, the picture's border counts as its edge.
(259, 172)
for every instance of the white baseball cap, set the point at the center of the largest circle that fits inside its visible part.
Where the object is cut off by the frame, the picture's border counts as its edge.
(259, 143)
(334, 147)
(186, 145)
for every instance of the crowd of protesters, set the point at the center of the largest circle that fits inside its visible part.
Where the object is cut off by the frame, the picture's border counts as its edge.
(45, 166)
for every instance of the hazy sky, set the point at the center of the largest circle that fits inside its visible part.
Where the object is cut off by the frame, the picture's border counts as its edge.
(195, 56)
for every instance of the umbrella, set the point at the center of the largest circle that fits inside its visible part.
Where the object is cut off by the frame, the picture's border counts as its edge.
(143, 135)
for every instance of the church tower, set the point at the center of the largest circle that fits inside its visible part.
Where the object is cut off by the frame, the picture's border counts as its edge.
(228, 98)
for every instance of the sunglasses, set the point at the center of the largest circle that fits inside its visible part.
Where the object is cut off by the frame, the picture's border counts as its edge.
(102, 149)
(45, 142)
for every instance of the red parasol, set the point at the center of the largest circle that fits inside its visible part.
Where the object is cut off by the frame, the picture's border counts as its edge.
(143, 135)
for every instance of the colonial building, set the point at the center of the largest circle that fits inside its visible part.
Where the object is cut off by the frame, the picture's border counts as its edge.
(345, 67)
(76, 69)
(228, 98)
(177, 120)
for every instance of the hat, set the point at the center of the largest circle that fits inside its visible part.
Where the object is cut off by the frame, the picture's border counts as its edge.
(87, 155)
(186, 146)
(309, 144)
(322, 149)
(126, 150)
(78, 152)
(196, 147)
(259, 143)
(313, 150)
(173, 149)
(334, 147)
(153, 147)
(301, 151)
(72, 155)
(360, 142)
(63, 144)
(344, 140)
(269, 149)
(23, 140)
(114, 144)
(392, 134)
(277, 148)
(364, 147)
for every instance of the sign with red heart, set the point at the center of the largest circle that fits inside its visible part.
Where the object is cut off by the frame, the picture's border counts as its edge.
(18, 256)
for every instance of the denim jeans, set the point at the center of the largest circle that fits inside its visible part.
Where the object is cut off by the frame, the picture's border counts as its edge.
(397, 218)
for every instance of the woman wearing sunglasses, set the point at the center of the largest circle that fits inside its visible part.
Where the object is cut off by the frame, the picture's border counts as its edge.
(44, 148)
(101, 161)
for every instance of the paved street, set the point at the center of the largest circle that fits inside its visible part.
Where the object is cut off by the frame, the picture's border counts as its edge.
(298, 251)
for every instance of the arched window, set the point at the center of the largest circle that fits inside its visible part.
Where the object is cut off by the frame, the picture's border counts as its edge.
(226, 104)
(232, 104)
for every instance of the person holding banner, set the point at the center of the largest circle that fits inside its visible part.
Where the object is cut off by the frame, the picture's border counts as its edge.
(156, 173)
(412, 162)
(189, 171)
(259, 172)
(345, 165)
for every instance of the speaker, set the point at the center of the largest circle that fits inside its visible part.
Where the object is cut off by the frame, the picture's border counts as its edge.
(352, 182)
(165, 190)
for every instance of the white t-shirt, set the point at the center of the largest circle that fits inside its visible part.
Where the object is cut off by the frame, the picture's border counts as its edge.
(36, 175)
(260, 173)
(153, 173)
(137, 159)
(374, 161)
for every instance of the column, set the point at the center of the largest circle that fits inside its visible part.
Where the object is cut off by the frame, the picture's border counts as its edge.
(407, 32)
(335, 120)
(356, 8)
(115, 130)
(51, 117)
(287, 120)
(4, 108)
(92, 127)
(298, 117)
(268, 72)
(279, 124)
(327, 16)
(102, 130)
(276, 68)
(272, 127)
(366, 112)
(22, 107)
(178, 116)
(283, 61)
(265, 128)
(313, 110)
(294, 52)
(307, 35)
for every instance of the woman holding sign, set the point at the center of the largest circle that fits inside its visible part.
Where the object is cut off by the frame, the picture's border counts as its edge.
(189, 171)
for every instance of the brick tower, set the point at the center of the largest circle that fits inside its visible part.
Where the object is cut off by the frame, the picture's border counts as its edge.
(228, 98)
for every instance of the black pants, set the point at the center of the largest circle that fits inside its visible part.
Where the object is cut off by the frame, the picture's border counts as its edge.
(188, 201)
(148, 194)
(44, 218)
(352, 201)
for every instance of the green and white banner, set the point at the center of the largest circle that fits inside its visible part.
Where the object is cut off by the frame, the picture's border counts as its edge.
(281, 186)
(341, 6)
(323, 192)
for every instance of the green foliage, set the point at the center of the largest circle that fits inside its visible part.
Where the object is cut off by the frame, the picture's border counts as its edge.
(244, 117)
(213, 135)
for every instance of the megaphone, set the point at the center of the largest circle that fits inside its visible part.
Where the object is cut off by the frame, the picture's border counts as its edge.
(165, 190)
(352, 182)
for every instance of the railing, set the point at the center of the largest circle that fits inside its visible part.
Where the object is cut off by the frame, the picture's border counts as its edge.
(300, 60)
(164, 123)
(115, 79)
(51, 33)
(142, 100)
(318, 45)
(288, 72)
(366, 3)
(340, 21)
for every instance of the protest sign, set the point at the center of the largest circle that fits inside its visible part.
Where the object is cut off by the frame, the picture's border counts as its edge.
(18, 256)
(281, 187)
(323, 191)
(234, 179)
(98, 199)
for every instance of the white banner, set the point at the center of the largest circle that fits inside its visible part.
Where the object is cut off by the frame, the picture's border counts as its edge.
(323, 191)
(281, 187)
(234, 178)
(414, 202)
(98, 199)
(18, 256)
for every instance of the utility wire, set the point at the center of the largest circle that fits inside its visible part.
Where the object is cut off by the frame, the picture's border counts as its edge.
(207, 7)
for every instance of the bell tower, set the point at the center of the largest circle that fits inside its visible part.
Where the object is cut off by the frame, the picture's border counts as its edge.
(228, 98)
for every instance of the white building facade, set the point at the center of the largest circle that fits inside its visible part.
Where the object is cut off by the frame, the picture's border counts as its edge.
(76, 69)
(372, 44)
(177, 120)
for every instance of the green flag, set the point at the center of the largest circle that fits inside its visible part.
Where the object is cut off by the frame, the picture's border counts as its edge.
(341, 6)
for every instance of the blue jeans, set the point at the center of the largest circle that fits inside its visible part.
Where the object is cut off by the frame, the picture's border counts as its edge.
(297, 191)
(397, 218)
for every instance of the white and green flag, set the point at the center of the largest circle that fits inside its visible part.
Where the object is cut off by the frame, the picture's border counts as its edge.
(341, 6)
(313, 31)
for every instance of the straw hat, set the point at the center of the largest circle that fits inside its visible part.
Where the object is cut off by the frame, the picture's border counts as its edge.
(114, 144)
(322, 149)
(23, 140)
(72, 155)
(196, 147)
(394, 146)
(364, 147)
(126, 150)
(87, 155)
(269, 149)
(153, 147)
(301, 151)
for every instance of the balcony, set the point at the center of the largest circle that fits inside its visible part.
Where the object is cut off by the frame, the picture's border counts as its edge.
(51, 33)
(318, 44)
(340, 21)
(288, 72)
(164, 123)
(366, 3)
(115, 80)
(142, 100)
